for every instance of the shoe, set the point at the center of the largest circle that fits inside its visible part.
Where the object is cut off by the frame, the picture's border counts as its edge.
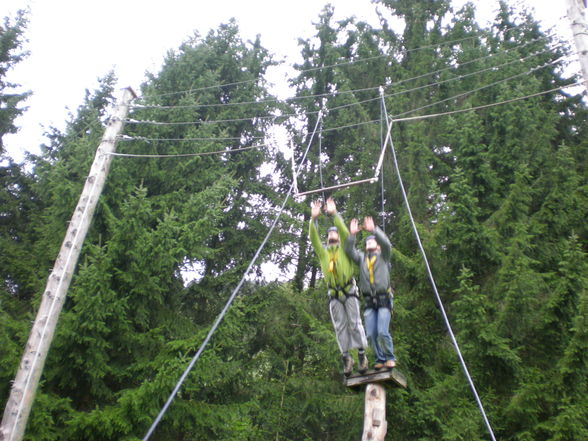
(363, 364)
(379, 365)
(347, 365)
(390, 364)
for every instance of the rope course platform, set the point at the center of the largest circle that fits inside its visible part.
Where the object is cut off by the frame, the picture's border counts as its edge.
(392, 377)
(375, 425)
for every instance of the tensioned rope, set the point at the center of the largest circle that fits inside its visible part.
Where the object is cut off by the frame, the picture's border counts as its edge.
(335, 93)
(484, 106)
(231, 298)
(320, 158)
(345, 63)
(434, 285)
(360, 181)
(142, 138)
(541, 66)
(394, 118)
(186, 155)
(383, 213)
(460, 95)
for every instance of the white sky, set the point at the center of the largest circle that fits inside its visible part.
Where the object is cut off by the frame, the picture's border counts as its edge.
(74, 42)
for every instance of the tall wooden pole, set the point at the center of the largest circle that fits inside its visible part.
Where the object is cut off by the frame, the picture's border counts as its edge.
(375, 425)
(576, 10)
(25, 385)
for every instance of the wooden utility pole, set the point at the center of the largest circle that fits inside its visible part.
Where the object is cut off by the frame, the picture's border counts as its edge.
(27, 377)
(375, 425)
(576, 10)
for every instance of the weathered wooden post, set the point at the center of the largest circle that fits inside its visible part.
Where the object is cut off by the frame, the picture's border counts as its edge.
(24, 388)
(375, 425)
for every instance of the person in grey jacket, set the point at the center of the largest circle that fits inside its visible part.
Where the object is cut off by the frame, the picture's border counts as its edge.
(374, 284)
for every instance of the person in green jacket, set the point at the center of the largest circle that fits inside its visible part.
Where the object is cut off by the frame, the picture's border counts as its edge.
(374, 284)
(342, 290)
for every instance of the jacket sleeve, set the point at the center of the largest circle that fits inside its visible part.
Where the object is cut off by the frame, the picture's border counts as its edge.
(315, 240)
(384, 243)
(341, 227)
(352, 253)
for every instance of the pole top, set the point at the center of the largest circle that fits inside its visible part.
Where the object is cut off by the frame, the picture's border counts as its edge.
(130, 89)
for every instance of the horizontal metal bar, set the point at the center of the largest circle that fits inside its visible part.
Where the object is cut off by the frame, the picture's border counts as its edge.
(335, 187)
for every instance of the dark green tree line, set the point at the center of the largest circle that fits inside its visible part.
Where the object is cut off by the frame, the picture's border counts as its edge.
(499, 197)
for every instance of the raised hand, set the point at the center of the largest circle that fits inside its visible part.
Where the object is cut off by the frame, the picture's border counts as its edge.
(331, 208)
(315, 209)
(368, 224)
(354, 226)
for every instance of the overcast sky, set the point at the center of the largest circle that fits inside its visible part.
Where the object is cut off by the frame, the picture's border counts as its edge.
(74, 42)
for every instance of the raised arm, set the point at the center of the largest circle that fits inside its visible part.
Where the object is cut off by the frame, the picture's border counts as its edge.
(315, 239)
(384, 243)
(349, 244)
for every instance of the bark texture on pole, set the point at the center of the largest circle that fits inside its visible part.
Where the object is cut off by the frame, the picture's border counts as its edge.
(374, 417)
(27, 378)
(576, 14)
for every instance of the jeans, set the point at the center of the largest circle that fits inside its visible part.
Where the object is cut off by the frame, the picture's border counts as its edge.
(377, 323)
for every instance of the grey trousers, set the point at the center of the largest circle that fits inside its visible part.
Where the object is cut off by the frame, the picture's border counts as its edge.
(346, 318)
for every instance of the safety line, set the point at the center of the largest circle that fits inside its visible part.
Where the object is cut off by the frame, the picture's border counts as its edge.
(361, 181)
(202, 122)
(383, 213)
(142, 138)
(396, 117)
(336, 187)
(542, 66)
(359, 60)
(335, 93)
(185, 155)
(347, 126)
(434, 115)
(469, 74)
(393, 120)
(313, 69)
(231, 298)
(433, 284)
(320, 158)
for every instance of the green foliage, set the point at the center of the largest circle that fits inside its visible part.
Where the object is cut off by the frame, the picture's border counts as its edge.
(11, 53)
(499, 197)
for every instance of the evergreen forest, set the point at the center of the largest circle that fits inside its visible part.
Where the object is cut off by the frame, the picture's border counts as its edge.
(499, 195)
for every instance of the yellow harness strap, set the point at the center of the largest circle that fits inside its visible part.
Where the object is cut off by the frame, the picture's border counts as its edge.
(370, 264)
(333, 264)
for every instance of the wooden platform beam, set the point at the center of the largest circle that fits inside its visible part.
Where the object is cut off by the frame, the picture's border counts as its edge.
(393, 377)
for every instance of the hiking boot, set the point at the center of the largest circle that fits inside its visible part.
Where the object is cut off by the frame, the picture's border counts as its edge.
(363, 364)
(390, 364)
(347, 365)
(379, 365)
